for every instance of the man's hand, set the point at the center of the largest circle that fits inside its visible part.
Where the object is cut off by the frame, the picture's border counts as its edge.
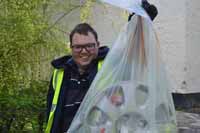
(149, 8)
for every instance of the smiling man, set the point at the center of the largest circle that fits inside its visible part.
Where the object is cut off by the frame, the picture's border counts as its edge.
(72, 77)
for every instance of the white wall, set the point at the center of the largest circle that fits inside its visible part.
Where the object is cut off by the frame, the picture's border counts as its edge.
(178, 27)
(170, 24)
(192, 45)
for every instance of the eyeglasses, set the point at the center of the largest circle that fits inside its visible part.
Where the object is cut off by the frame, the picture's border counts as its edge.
(88, 47)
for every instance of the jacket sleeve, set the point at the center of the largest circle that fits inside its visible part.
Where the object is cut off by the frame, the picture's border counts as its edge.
(50, 95)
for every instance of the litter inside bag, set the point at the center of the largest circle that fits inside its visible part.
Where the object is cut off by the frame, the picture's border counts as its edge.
(130, 94)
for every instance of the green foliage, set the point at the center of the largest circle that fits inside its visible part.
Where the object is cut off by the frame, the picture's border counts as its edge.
(86, 10)
(22, 29)
(31, 35)
(22, 108)
(27, 44)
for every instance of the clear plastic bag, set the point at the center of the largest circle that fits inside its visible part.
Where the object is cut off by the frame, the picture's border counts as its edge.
(130, 94)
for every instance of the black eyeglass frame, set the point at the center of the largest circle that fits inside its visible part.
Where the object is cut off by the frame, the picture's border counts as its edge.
(88, 47)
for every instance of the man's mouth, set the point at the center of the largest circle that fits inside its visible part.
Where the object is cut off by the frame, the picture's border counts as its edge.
(85, 57)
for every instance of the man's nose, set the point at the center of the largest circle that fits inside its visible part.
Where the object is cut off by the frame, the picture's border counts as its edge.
(84, 50)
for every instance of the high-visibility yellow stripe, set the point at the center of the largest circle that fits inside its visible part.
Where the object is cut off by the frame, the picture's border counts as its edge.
(54, 78)
(100, 63)
(57, 81)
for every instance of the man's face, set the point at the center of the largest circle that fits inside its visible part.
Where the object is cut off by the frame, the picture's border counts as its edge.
(84, 49)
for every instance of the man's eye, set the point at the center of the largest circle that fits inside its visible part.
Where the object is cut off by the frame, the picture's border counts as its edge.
(91, 45)
(77, 47)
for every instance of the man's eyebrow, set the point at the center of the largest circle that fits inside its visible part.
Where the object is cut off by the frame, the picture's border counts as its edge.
(83, 44)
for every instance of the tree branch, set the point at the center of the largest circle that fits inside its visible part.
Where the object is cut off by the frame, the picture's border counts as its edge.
(61, 17)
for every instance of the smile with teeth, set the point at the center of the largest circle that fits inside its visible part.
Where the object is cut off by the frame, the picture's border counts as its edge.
(84, 57)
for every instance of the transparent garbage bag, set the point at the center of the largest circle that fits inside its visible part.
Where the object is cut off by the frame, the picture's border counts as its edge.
(131, 93)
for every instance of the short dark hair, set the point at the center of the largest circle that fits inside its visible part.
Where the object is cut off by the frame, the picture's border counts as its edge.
(83, 28)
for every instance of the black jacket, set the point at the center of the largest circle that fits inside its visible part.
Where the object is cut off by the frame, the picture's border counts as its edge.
(73, 89)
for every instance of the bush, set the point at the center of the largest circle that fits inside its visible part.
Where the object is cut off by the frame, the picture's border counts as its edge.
(24, 110)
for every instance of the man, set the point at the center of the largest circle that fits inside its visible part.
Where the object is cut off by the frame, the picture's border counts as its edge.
(73, 76)
(79, 71)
